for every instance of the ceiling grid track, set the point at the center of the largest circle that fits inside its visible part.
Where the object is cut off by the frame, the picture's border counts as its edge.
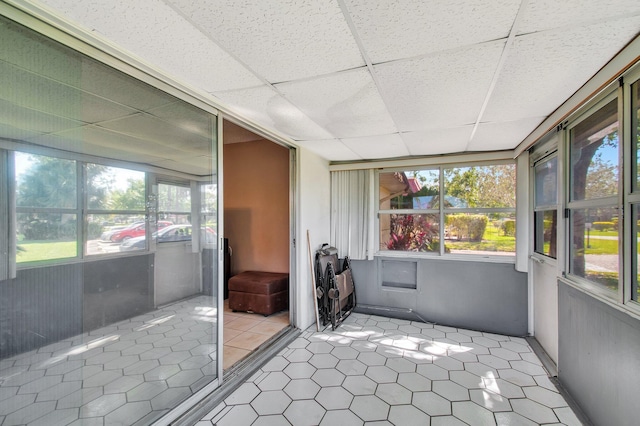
(503, 58)
(242, 63)
(367, 60)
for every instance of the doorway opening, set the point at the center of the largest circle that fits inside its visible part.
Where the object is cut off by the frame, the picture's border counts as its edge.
(257, 235)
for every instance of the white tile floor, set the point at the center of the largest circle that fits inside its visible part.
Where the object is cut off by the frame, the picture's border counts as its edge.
(130, 372)
(380, 371)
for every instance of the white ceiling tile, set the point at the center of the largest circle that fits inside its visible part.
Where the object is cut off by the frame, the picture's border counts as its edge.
(443, 90)
(379, 146)
(200, 165)
(543, 69)
(392, 29)
(347, 104)
(158, 34)
(330, 149)
(270, 109)
(503, 135)
(542, 15)
(438, 141)
(280, 40)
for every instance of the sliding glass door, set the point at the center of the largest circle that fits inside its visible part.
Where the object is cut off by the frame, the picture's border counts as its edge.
(109, 278)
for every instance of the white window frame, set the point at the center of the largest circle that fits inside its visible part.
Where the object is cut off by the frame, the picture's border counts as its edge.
(604, 202)
(441, 212)
(631, 197)
(550, 153)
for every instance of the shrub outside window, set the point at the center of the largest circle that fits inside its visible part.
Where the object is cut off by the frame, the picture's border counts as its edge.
(470, 209)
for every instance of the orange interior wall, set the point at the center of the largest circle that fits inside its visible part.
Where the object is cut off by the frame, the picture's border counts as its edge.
(256, 206)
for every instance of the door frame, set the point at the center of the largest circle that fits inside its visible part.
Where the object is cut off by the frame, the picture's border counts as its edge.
(546, 150)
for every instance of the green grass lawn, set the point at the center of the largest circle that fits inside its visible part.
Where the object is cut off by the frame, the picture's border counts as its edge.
(33, 251)
(601, 246)
(602, 233)
(493, 240)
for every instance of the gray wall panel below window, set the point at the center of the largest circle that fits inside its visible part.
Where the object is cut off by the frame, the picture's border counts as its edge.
(40, 306)
(476, 295)
(117, 289)
(599, 357)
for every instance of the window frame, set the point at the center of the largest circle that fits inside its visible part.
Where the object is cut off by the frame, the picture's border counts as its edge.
(90, 211)
(441, 211)
(631, 197)
(550, 154)
(614, 202)
(77, 211)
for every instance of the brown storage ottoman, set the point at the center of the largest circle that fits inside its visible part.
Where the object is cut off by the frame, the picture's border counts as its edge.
(259, 292)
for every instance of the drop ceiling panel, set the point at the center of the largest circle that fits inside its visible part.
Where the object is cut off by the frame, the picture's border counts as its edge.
(270, 109)
(200, 166)
(155, 32)
(330, 149)
(101, 141)
(542, 15)
(280, 40)
(187, 118)
(40, 55)
(35, 92)
(347, 104)
(442, 90)
(504, 135)
(438, 141)
(164, 134)
(75, 142)
(34, 121)
(109, 84)
(399, 29)
(566, 58)
(376, 147)
(9, 132)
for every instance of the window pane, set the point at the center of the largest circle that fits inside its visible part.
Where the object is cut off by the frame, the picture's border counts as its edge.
(45, 182)
(409, 232)
(546, 183)
(481, 186)
(174, 198)
(594, 248)
(635, 125)
(491, 233)
(594, 155)
(106, 232)
(113, 188)
(46, 236)
(545, 228)
(635, 228)
(414, 190)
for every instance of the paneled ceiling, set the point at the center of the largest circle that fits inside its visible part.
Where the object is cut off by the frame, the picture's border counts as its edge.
(372, 79)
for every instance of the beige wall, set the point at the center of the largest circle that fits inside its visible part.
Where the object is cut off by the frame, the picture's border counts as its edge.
(256, 206)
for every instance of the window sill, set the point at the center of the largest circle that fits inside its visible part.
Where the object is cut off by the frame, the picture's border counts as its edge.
(507, 258)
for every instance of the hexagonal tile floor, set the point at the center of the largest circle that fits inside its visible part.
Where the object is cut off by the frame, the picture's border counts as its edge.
(376, 370)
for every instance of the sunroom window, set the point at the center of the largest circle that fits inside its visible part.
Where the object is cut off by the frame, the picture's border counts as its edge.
(469, 208)
(46, 208)
(546, 207)
(635, 197)
(593, 205)
(115, 207)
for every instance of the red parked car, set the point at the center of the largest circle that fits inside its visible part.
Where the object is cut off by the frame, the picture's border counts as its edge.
(134, 230)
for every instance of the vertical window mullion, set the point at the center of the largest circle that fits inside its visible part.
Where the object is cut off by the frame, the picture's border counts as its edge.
(441, 213)
(81, 208)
